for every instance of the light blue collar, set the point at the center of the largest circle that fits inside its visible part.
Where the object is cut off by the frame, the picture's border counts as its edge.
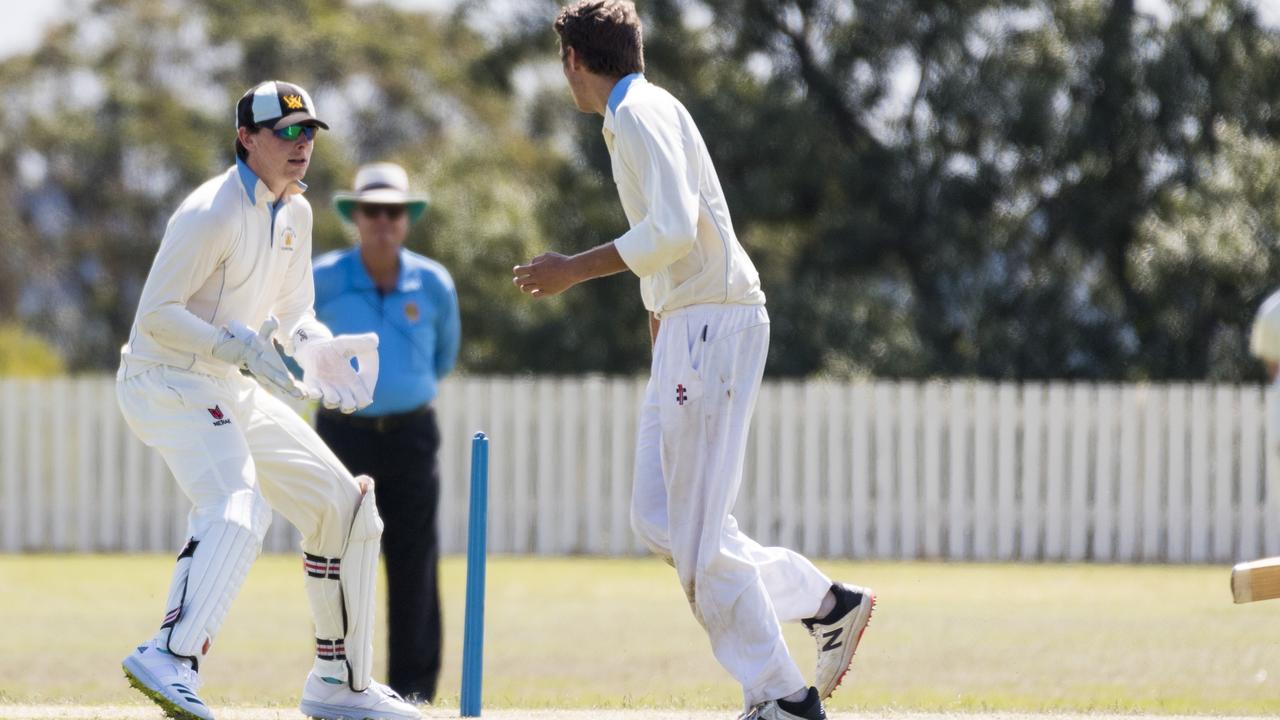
(250, 181)
(620, 90)
(248, 178)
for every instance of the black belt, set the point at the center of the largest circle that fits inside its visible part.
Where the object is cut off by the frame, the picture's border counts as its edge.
(376, 423)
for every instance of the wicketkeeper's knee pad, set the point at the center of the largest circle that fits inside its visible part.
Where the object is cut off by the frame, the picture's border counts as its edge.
(210, 571)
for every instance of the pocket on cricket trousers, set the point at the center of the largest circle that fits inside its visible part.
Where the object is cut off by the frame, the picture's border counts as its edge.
(680, 396)
(171, 385)
(194, 392)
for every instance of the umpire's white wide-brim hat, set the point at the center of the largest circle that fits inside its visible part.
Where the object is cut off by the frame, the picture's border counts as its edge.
(381, 183)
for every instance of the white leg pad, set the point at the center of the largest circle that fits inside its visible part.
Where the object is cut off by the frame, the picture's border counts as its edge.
(208, 577)
(359, 574)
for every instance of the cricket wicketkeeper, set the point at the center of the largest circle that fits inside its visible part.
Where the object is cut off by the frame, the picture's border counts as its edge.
(237, 255)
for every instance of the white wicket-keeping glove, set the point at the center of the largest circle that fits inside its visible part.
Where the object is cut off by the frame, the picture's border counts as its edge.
(254, 352)
(328, 375)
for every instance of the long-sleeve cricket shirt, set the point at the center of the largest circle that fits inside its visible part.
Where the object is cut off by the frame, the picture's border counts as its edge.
(681, 243)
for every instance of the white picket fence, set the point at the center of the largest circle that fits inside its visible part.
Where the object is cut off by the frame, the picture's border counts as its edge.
(959, 470)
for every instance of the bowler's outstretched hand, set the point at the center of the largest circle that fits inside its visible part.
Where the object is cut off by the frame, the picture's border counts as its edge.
(547, 274)
(552, 273)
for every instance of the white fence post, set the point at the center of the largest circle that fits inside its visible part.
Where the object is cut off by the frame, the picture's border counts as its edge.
(932, 443)
(594, 414)
(1008, 419)
(1082, 409)
(12, 482)
(885, 516)
(59, 480)
(1176, 482)
(1129, 479)
(860, 477)
(1105, 498)
(1200, 511)
(1153, 476)
(908, 473)
(569, 411)
(1251, 499)
(810, 469)
(36, 426)
(838, 505)
(983, 472)
(87, 469)
(958, 446)
(621, 461)
(1055, 475)
(1225, 452)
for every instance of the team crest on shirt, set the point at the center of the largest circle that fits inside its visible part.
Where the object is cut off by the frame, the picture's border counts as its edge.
(287, 239)
(411, 312)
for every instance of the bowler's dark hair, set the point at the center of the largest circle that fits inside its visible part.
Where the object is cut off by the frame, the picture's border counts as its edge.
(605, 34)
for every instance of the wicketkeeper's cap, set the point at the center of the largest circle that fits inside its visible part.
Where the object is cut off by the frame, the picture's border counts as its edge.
(276, 104)
(1264, 342)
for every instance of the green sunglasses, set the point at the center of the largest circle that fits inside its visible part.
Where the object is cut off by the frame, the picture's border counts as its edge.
(292, 132)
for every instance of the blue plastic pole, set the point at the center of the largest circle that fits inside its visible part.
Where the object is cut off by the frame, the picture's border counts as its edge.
(473, 624)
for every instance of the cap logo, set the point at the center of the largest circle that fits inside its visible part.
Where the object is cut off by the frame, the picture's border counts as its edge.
(293, 102)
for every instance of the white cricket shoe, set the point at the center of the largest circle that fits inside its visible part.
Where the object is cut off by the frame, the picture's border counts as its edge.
(773, 711)
(168, 680)
(838, 638)
(326, 700)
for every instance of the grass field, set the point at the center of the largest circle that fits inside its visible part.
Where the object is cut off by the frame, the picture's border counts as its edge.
(617, 635)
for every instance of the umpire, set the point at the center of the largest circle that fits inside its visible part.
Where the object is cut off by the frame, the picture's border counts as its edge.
(409, 300)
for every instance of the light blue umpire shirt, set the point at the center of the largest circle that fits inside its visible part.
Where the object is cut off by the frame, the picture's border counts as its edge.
(417, 323)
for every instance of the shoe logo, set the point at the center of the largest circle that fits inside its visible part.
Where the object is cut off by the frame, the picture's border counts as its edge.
(681, 396)
(187, 694)
(218, 417)
(834, 639)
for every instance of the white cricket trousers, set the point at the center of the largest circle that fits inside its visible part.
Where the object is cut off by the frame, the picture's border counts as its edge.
(230, 443)
(707, 365)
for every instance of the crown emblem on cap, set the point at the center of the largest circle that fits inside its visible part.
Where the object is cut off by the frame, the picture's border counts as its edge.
(293, 102)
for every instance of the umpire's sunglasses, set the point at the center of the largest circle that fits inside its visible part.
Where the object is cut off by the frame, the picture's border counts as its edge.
(292, 132)
(373, 210)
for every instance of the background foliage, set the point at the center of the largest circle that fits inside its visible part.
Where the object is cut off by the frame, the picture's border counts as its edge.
(1015, 189)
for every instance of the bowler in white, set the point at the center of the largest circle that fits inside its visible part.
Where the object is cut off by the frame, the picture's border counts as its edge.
(710, 334)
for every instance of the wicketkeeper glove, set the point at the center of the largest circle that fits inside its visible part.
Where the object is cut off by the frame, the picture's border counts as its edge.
(254, 352)
(328, 375)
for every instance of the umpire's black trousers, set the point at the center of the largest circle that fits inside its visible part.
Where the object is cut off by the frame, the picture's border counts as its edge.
(399, 453)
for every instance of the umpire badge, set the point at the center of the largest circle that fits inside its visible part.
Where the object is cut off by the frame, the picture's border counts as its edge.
(411, 312)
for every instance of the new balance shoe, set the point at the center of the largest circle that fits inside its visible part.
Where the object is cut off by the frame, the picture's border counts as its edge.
(329, 699)
(810, 708)
(168, 680)
(839, 633)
